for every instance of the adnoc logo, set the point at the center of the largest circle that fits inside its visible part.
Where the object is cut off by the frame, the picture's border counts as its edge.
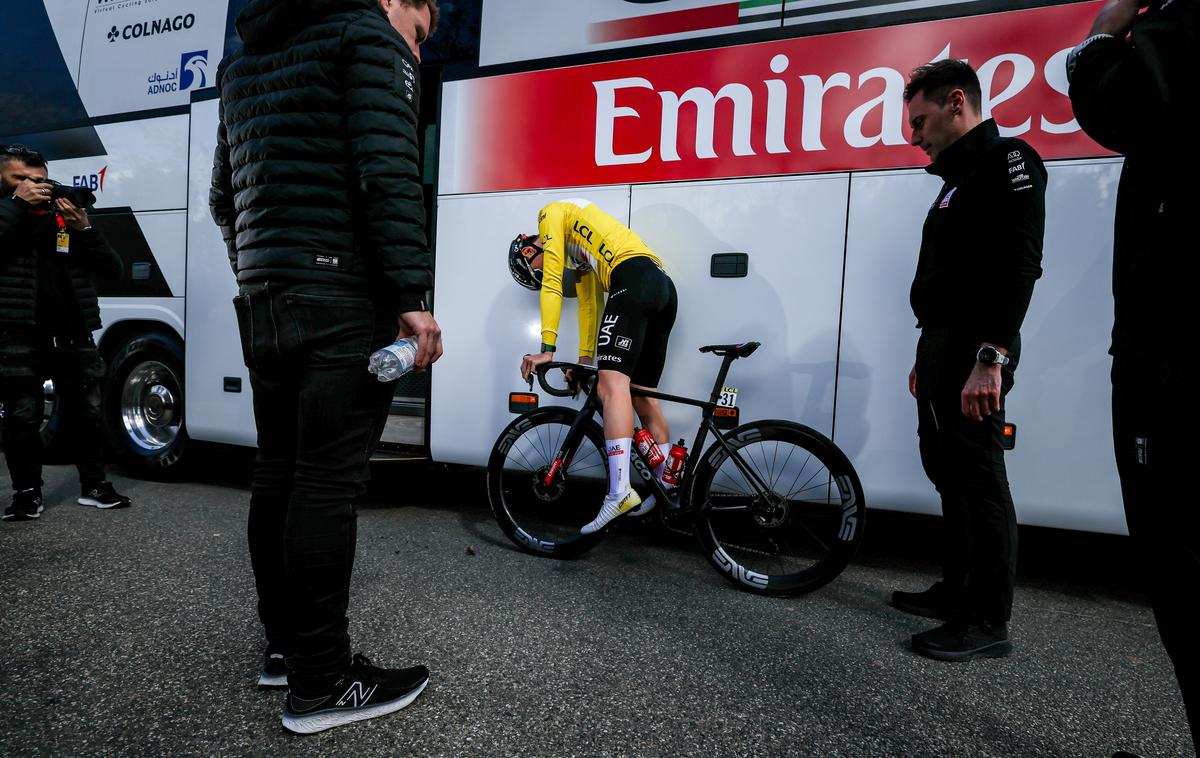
(193, 70)
(191, 74)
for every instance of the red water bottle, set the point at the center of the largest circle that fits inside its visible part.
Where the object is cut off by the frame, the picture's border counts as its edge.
(646, 445)
(676, 459)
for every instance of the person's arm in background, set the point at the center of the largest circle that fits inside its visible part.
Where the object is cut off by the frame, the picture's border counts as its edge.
(220, 193)
(12, 210)
(1110, 88)
(382, 91)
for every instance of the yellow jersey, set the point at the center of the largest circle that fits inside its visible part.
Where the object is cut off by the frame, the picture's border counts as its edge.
(578, 235)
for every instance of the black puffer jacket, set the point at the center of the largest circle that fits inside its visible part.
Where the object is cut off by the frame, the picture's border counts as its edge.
(23, 236)
(1137, 97)
(315, 176)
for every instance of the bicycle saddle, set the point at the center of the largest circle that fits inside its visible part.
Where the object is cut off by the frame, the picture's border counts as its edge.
(740, 350)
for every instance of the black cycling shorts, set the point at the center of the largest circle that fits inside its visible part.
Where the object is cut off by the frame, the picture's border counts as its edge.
(637, 321)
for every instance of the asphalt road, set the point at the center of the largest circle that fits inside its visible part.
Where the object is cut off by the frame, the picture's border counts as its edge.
(133, 633)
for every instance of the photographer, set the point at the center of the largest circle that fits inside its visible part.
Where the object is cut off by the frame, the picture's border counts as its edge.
(49, 254)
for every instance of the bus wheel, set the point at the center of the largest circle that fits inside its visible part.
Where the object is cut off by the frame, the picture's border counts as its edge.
(144, 404)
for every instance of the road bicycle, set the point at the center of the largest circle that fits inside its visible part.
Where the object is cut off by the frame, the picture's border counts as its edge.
(777, 508)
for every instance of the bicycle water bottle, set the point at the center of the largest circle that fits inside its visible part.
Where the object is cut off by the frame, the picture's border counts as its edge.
(646, 445)
(394, 361)
(676, 458)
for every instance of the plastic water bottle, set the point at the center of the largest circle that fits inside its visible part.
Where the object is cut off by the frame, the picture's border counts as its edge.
(394, 361)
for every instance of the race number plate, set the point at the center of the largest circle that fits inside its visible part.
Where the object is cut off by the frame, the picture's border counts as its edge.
(728, 397)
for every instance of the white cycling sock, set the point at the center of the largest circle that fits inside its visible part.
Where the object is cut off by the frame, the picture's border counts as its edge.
(618, 464)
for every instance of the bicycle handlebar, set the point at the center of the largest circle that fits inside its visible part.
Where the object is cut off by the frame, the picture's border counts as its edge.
(580, 371)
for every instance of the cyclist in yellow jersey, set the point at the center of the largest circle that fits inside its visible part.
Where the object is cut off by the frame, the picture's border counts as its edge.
(605, 256)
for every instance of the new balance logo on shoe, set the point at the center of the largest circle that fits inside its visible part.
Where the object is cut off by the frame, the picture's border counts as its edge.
(356, 695)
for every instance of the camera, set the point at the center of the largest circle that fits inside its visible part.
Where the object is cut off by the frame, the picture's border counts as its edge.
(80, 197)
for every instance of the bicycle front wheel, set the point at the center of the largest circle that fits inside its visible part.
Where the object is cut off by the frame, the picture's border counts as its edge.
(538, 505)
(793, 535)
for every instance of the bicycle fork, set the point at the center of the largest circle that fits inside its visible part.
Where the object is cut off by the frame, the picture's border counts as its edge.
(566, 451)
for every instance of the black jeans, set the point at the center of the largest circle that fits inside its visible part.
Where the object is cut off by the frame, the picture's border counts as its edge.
(965, 461)
(1157, 450)
(319, 415)
(26, 361)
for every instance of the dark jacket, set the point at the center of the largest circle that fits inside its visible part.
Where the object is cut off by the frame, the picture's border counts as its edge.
(315, 176)
(1135, 98)
(981, 246)
(24, 236)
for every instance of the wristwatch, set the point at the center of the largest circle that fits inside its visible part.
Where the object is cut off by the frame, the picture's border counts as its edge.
(990, 356)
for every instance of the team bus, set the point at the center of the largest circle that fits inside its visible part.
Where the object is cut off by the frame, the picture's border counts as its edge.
(759, 147)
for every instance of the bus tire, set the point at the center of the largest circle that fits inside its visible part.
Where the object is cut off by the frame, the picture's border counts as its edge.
(144, 402)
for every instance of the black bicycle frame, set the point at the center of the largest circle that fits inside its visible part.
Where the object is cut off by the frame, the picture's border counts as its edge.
(673, 498)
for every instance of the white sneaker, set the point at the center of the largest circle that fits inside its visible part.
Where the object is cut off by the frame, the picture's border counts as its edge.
(614, 505)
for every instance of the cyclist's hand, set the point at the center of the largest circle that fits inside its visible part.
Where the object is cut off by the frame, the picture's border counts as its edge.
(981, 394)
(530, 362)
(912, 381)
(428, 333)
(572, 382)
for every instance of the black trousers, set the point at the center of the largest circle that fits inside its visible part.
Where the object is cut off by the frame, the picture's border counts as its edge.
(320, 415)
(77, 370)
(1157, 451)
(965, 461)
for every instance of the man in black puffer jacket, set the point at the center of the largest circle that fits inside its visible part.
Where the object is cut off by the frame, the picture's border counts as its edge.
(1133, 88)
(316, 190)
(49, 256)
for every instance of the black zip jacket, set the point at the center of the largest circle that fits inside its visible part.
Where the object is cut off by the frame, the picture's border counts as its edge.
(981, 246)
(1135, 98)
(315, 176)
(24, 236)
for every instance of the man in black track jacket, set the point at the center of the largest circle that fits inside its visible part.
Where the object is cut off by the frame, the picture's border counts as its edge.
(981, 252)
(316, 189)
(1133, 88)
(49, 258)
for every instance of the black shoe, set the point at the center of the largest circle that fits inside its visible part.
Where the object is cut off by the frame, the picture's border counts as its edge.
(274, 674)
(956, 641)
(364, 692)
(26, 505)
(935, 602)
(103, 496)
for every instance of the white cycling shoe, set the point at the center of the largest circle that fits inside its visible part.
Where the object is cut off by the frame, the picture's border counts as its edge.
(614, 505)
(646, 506)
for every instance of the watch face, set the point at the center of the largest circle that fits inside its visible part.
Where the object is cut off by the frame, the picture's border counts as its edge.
(987, 355)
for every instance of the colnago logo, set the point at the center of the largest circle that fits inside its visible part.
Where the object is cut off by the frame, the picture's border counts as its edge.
(94, 182)
(150, 28)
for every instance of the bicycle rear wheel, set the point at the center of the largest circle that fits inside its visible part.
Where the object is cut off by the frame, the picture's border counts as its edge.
(543, 517)
(798, 534)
